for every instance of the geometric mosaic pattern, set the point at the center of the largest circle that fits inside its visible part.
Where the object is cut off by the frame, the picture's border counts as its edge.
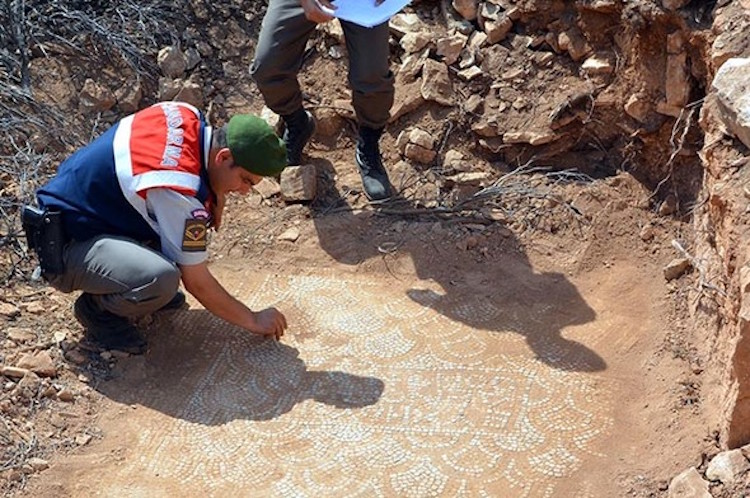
(375, 390)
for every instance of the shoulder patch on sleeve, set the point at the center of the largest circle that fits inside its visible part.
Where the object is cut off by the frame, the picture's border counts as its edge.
(200, 214)
(195, 237)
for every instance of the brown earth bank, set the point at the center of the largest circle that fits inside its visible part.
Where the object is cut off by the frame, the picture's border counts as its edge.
(559, 181)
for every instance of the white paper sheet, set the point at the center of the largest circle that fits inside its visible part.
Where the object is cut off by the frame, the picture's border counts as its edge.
(365, 12)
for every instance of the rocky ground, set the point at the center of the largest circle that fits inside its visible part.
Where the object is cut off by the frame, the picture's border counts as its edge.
(552, 124)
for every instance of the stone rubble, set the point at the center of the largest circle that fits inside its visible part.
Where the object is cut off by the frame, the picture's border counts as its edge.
(676, 268)
(65, 395)
(40, 363)
(299, 183)
(129, 96)
(688, 484)
(733, 94)
(726, 468)
(20, 335)
(38, 464)
(172, 62)
(267, 188)
(417, 145)
(290, 235)
(95, 97)
(8, 310)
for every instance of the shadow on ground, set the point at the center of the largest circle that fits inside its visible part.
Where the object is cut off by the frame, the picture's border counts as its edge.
(202, 370)
(500, 293)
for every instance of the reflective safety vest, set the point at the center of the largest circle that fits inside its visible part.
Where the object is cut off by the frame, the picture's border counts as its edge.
(101, 189)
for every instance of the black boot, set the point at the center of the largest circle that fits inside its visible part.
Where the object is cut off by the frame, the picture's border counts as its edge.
(300, 126)
(106, 329)
(374, 177)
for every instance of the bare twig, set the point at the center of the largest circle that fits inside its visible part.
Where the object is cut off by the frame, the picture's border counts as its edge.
(684, 121)
(18, 21)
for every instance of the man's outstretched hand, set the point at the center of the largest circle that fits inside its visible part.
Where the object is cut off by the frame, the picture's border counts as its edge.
(270, 322)
(314, 12)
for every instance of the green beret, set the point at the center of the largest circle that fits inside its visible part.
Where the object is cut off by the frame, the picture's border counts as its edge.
(255, 146)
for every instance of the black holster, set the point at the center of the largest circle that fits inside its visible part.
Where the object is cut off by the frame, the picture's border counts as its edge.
(45, 235)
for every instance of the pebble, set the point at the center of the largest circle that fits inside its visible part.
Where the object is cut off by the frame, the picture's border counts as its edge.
(676, 267)
(9, 310)
(647, 233)
(65, 395)
(37, 464)
(75, 356)
(21, 335)
(727, 467)
(83, 439)
(290, 235)
(36, 308)
(40, 363)
(13, 372)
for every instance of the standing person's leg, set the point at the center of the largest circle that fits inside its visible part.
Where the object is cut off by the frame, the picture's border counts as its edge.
(370, 75)
(372, 84)
(278, 59)
(120, 279)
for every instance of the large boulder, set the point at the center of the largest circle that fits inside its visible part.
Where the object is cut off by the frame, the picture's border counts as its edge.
(732, 87)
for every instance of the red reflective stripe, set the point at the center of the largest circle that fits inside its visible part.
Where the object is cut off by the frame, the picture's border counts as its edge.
(148, 141)
(180, 190)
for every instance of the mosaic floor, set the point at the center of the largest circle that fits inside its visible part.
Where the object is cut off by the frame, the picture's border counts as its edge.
(377, 390)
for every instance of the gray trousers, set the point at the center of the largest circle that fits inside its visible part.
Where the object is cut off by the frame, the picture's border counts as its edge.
(279, 54)
(124, 277)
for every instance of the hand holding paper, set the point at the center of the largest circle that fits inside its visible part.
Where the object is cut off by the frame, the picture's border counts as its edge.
(318, 11)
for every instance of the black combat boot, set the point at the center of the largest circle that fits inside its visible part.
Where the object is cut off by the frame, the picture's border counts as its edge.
(106, 329)
(299, 128)
(374, 177)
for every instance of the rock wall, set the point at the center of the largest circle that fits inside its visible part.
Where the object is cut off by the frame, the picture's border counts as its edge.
(721, 227)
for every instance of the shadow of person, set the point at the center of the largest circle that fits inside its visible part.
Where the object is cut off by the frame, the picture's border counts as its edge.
(536, 305)
(202, 370)
(500, 293)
